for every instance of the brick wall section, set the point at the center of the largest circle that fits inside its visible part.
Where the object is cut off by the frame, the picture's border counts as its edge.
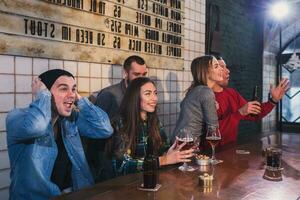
(241, 28)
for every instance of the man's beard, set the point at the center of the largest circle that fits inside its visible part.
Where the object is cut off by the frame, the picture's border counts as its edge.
(128, 81)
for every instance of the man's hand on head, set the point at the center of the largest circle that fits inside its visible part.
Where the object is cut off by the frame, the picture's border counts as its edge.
(37, 85)
(78, 96)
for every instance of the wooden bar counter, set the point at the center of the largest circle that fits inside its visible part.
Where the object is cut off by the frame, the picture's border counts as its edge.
(240, 176)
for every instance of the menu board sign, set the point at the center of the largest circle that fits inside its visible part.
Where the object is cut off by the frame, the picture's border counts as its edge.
(105, 31)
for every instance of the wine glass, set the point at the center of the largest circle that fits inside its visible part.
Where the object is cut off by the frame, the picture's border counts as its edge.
(213, 136)
(185, 135)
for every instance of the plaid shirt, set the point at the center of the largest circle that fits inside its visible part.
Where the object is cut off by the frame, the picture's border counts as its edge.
(127, 164)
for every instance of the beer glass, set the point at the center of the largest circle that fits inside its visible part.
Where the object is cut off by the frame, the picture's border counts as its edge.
(185, 135)
(213, 136)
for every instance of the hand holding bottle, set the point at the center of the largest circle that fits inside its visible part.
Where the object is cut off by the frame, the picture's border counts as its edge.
(252, 107)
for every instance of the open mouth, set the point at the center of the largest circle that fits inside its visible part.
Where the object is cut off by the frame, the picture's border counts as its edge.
(68, 104)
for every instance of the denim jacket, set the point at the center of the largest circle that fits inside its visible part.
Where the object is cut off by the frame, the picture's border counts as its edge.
(32, 148)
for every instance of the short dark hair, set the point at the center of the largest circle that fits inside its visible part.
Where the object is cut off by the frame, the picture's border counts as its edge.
(130, 60)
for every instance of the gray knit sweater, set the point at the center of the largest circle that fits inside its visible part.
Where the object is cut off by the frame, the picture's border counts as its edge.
(197, 111)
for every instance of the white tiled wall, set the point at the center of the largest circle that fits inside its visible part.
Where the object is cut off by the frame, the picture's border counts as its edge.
(4, 194)
(7, 64)
(72, 67)
(3, 144)
(16, 74)
(23, 65)
(6, 102)
(40, 66)
(4, 164)
(4, 177)
(57, 64)
(7, 83)
(2, 121)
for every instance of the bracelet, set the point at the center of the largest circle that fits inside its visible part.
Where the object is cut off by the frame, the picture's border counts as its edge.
(272, 101)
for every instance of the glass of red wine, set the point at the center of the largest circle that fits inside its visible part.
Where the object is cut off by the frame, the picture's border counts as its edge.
(186, 135)
(213, 136)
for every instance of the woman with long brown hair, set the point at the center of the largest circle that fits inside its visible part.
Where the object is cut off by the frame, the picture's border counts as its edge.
(136, 123)
(198, 108)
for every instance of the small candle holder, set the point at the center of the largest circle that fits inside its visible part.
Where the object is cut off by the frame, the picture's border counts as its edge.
(206, 182)
(272, 175)
(273, 170)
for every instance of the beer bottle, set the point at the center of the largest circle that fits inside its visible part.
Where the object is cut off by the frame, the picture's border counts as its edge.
(150, 167)
(255, 97)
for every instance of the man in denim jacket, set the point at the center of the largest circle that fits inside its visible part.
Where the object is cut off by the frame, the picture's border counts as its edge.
(45, 151)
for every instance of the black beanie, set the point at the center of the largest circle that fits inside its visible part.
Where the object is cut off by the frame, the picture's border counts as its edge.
(50, 76)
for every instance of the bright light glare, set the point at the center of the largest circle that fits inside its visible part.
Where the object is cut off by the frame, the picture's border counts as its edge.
(279, 10)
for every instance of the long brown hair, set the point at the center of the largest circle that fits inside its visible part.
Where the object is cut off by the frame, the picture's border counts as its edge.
(130, 110)
(199, 69)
